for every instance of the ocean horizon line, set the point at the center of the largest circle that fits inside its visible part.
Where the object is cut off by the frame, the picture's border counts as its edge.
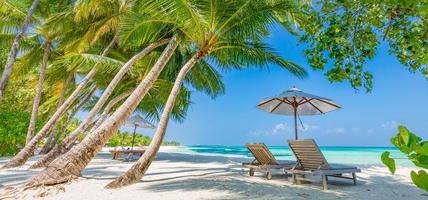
(321, 146)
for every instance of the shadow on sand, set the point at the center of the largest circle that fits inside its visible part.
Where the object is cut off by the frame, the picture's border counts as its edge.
(231, 180)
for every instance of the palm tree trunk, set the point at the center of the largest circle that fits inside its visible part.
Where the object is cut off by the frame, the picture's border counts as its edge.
(70, 164)
(59, 149)
(69, 140)
(58, 105)
(14, 49)
(57, 133)
(136, 172)
(37, 96)
(109, 107)
(28, 150)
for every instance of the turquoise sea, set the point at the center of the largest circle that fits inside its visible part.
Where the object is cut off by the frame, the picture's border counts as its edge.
(334, 154)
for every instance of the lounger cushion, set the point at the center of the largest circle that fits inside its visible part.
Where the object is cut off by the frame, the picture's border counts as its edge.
(335, 166)
(286, 162)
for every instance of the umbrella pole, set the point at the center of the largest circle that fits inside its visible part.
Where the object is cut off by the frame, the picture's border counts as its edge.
(295, 121)
(133, 138)
(132, 143)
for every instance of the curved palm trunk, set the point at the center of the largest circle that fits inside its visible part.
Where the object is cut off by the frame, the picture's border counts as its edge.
(14, 49)
(28, 150)
(60, 149)
(136, 172)
(58, 105)
(37, 96)
(74, 161)
(69, 140)
(57, 133)
(108, 108)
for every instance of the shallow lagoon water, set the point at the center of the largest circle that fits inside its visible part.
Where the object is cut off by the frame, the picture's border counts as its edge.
(334, 154)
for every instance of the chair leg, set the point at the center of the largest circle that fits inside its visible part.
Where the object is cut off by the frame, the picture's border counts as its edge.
(354, 178)
(293, 176)
(324, 182)
(269, 174)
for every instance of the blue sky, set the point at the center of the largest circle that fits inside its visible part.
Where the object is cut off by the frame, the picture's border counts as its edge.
(366, 119)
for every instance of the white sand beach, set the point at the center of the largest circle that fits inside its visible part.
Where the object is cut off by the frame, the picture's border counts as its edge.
(194, 176)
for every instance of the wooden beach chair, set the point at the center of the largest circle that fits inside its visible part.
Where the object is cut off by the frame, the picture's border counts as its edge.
(264, 160)
(117, 152)
(310, 161)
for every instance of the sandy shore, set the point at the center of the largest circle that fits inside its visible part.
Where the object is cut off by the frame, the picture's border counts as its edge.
(192, 176)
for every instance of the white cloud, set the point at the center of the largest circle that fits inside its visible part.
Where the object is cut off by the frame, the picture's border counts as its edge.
(284, 128)
(278, 129)
(308, 127)
(337, 130)
(281, 127)
(390, 125)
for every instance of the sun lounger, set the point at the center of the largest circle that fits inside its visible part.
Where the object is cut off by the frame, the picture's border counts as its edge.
(264, 160)
(310, 161)
(117, 152)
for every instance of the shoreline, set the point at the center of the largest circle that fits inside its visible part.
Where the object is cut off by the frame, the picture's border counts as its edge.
(194, 176)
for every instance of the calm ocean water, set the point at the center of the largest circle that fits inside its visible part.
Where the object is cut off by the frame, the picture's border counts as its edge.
(346, 155)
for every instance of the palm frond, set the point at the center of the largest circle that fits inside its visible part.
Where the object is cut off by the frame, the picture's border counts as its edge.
(241, 55)
(205, 78)
(86, 61)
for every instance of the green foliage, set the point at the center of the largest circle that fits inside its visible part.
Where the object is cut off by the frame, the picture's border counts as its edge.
(125, 139)
(416, 151)
(389, 162)
(171, 143)
(420, 179)
(13, 130)
(71, 127)
(347, 33)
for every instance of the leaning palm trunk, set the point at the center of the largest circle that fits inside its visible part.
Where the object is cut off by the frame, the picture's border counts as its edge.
(108, 108)
(59, 149)
(56, 134)
(136, 172)
(37, 96)
(70, 165)
(28, 150)
(69, 140)
(58, 105)
(14, 49)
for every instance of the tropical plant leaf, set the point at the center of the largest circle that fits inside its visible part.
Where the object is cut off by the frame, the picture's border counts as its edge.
(404, 134)
(387, 161)
(420, 179)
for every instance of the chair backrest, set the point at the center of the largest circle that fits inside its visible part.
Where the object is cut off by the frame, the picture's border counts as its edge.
(262, 154)
(308, 154)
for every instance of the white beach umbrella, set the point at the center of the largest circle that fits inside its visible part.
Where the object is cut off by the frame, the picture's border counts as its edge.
(137, 121)
(295, 102)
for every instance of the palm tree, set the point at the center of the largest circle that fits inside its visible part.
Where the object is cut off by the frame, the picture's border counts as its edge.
(149, 31)
(50, 34)
(34, 111)
(28, 150)
(231, 39)
(61, 98)
(56, 134)
(69, 140)
(72, 163)
(14, 49)
(66, 144)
